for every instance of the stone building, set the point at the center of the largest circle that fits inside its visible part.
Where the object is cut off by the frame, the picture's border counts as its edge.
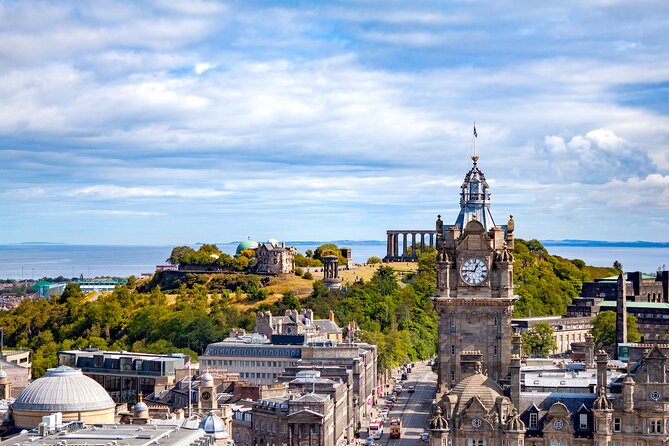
(304, 419)
(481, 401)
(474, 296)
(645, 298)
(275, 259)
(298, 323)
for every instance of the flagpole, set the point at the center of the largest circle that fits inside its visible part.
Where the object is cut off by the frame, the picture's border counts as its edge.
(475, 157)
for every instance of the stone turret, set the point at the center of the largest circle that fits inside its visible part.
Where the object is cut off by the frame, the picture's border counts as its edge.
(628, 393)
(602, 367)
(589, 351)
(515, 429)
(438, 429)
(515, 380)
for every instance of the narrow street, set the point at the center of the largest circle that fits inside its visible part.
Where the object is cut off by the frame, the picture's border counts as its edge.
(412, 408)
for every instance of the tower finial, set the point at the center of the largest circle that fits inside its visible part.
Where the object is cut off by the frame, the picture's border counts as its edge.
(475, 157)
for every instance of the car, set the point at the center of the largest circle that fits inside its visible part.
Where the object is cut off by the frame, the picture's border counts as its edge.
(392, 398)
(405, 376)
(369, 441)
(384, 413)
(398, 388)
(389, 406)
(412, 389)
(424, 436)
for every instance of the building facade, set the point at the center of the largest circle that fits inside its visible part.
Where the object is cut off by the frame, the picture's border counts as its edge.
(124, 375)
(474, 296)
(482, 401)
(275, 259)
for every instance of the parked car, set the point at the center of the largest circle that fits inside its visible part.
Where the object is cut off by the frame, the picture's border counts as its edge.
(424, 436)
(405, 376)
(384, 413)
(392, 398)
(398, 388)
(412, 389)
(389, 406)
(369, 441)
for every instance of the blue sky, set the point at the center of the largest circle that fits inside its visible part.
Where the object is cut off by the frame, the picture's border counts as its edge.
(174, 122)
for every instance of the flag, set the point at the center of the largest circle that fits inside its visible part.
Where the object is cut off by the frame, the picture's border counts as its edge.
(475, 134)
(187, 363)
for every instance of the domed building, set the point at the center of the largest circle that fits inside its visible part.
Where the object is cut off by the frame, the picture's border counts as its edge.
(246, 244)
(64, 390)
(213, 424)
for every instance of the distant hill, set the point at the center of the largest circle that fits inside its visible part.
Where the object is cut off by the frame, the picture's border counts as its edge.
(599, 243)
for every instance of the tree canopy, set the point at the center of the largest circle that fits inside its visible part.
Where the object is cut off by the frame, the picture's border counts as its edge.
(539, 340)
(546, 283)
(604, 329)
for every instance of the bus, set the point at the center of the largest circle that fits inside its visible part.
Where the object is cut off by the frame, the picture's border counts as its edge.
(376, 429)
(396, 428)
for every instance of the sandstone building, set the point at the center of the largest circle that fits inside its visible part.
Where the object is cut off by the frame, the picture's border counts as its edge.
(480, 399)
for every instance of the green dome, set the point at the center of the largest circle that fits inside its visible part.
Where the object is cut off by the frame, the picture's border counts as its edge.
(246, 244)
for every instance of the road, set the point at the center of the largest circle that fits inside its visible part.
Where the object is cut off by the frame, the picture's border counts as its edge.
(413, 408)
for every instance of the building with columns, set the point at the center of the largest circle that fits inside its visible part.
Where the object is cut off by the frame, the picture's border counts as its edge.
(480, 400)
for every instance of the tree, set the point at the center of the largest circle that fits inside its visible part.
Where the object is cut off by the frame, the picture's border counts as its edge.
(373, 260)
(309, 253)
(539, 340)
(604, 329)
(178, 253)
(290, 301)
(617, 266)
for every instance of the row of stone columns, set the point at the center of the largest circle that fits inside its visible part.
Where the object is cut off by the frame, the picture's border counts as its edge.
(419, 239)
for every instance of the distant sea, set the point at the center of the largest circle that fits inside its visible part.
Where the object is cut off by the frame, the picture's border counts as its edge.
(34, 261)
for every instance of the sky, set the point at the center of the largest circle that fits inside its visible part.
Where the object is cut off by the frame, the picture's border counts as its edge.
(164, 122)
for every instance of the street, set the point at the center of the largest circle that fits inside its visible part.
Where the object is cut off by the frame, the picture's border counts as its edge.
(412, 408)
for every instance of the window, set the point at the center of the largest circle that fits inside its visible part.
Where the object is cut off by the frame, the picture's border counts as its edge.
(617, 424)
(554, 443)
(655, 426)
(494, 350)
(494, 321)
(533, 420)
(452, 375)
(583, 421)
(563, 442)
(452, 350)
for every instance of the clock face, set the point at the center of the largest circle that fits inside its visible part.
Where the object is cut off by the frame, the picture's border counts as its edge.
(558, 424)
(655, 395)
(474, 271)
(205, 395)
(476, 422)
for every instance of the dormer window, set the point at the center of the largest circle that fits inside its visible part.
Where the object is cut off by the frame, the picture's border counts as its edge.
(534, 418)
(583, 421)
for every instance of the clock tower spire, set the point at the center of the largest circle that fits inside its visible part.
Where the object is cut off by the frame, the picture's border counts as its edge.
(474, 296)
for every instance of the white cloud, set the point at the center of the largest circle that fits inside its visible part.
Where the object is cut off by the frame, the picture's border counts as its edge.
(120, 213)
(202, 67)
(112, 192)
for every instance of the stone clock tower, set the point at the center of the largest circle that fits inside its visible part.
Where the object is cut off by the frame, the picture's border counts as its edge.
(474, 295)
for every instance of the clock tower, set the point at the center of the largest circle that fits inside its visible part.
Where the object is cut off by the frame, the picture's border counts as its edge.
(474, 296)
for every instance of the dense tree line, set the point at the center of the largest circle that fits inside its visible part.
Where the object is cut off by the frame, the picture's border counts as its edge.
(397, 316)
(546, 283)
(122, 320)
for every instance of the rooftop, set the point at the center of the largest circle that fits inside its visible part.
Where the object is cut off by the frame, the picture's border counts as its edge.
(658, 305)
(165, 432)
